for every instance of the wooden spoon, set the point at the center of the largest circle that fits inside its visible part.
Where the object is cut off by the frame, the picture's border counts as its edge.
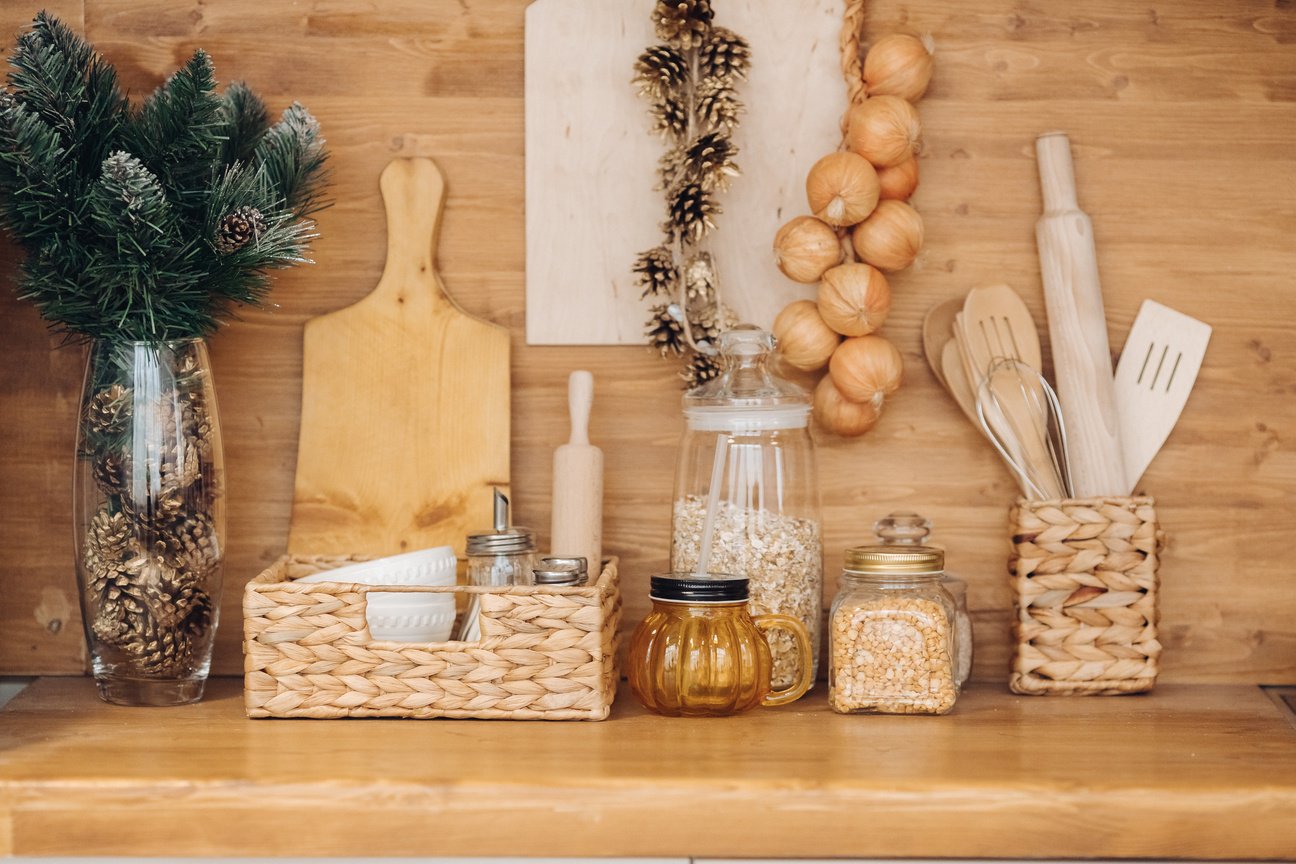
(956, 381)
(937, 331)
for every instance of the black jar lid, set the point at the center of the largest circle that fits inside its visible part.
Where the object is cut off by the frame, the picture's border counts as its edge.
(699, 588)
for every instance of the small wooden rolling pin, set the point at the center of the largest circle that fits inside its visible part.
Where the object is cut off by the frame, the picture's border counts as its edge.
(577, 526)
(1077, 327)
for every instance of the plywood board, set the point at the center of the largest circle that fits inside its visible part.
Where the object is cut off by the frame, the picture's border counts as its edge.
(592, 156)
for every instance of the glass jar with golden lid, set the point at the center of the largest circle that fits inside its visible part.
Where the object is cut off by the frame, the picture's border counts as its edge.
(701, 653)
(891, 634)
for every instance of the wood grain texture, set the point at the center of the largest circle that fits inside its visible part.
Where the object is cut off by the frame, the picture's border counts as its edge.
(1181, 115)
(405, 401)
(1186, 772)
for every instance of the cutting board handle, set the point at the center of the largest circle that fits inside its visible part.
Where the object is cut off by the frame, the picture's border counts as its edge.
(413, 192)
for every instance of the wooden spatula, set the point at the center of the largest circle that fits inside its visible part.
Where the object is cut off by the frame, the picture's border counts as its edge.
(997, 324)
(1157, 370)
(405, 401)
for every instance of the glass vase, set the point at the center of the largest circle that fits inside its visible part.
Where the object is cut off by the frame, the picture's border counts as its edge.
(149, 519)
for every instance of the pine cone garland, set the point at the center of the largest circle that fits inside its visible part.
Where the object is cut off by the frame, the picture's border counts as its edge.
(700, 278)
(724, 55)
(710, 160)
(717, 104)
(659, 70)
(670, 116)
(235, 230)
(691, 209)
(657, 273)
(701, 368)
(683, 22)
(665, 332)
(713, 319)
(109, 411)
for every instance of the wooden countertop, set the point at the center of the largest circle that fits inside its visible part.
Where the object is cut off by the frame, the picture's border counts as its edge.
(1185, 772)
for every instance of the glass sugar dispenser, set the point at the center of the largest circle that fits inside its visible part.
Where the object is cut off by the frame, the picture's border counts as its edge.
(891, 634)
(905, 528)
(746, 495)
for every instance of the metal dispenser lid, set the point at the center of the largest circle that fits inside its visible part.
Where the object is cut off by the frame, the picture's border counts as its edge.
(501, 539)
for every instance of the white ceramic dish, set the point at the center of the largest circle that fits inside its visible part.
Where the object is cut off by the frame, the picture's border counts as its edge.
(435, 566)
(410, 617)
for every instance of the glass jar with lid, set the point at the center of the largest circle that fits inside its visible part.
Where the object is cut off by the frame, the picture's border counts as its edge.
(891, 634)
(746, 495)
(700, 652)
(905, 528)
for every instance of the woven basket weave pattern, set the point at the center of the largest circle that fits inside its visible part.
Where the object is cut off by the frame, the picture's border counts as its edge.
(545, 653)
(1085, 596)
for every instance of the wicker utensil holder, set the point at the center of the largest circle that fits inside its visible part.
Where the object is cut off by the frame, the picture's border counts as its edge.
(1084, 575)
(545, 653)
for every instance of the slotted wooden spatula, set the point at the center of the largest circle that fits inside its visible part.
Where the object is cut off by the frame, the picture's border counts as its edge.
(405, 400)
(1157, 370)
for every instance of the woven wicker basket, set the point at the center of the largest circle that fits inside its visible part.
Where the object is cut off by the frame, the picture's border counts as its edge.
(1085, 593)
(545, 653)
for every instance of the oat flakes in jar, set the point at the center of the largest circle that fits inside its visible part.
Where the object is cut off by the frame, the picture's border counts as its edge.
(746, 494)
(891, 634)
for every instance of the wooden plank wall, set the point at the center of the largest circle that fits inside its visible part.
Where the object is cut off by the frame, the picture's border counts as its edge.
(1184, 119)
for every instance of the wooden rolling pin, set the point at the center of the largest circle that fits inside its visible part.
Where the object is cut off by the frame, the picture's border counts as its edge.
(577, 526)
(1077, 327)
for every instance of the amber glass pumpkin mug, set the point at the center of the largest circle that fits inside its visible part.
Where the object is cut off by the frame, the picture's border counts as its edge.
(701, 653)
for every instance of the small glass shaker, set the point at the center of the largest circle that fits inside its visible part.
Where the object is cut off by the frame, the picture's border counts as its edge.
(905, 528)
(504, 555)
(499, 557)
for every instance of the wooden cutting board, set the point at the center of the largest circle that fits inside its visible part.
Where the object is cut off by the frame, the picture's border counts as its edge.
(405, 400)
(591, 158)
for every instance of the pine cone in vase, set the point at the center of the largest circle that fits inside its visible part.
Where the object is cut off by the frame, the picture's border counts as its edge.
(110, 470)
(109, 411)
(235, 230)
(159, 650)
(190, 546)
(170, 594)
(158, 506)
(112, 561)
(683, 22)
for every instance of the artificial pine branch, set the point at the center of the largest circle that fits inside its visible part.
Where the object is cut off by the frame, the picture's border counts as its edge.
(147, 224)
(244, 120)
(292, 154)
